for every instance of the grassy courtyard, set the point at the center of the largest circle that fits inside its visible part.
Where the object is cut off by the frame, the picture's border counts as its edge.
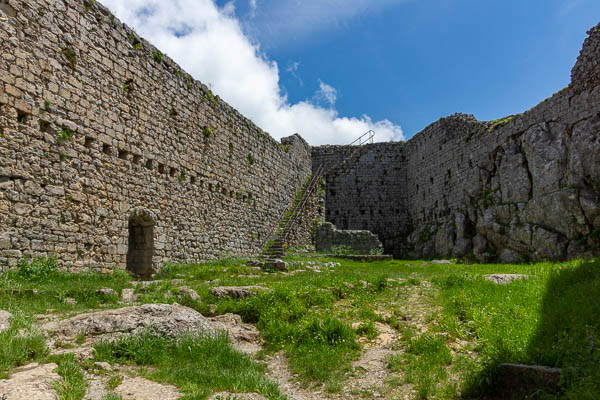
(439, 330)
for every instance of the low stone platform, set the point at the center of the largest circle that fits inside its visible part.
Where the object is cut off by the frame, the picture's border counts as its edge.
(359, 257)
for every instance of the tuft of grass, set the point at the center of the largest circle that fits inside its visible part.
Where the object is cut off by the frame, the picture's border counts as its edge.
(17, 349)
(158, 56)
(69, 54)
(72, 385)
(368, 330)
(200, 365)
(40, 268)
(207, 131)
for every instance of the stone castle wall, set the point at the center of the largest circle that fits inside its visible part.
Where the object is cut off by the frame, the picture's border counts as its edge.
(102, 136)
(523, 187)
(365, 188)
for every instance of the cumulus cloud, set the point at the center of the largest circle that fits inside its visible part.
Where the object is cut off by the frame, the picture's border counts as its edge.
(209, 43)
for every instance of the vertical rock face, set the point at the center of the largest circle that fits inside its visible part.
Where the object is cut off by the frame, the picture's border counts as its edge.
(523, 187)
(97, 124)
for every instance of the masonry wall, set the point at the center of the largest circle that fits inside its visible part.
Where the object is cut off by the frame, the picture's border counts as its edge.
(523, 187)
(97, 127)
(365, 188)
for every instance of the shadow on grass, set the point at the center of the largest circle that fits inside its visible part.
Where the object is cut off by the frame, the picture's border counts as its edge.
(567, 336)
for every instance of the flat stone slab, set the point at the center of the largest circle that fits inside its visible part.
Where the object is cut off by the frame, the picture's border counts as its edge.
(143, 389)
(5, 317)
(502, 279)
(517, 381)
(168, 319)
(32, 382)
(237, 292)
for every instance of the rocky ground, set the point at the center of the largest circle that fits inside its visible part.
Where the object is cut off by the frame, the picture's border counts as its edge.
(412, 308)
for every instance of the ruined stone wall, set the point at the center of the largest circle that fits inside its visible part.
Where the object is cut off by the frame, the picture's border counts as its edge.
(329, 240)
(98, 129)
(523, 187)
(365, 188)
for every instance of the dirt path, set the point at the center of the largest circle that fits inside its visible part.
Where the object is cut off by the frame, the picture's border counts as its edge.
(370, 378)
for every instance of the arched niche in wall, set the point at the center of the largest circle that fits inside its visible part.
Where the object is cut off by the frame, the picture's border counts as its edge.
(140, 250)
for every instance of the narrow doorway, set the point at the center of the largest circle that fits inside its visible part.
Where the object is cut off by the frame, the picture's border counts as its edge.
(141, 247)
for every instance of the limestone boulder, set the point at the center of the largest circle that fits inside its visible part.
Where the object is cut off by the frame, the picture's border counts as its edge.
(140, 388)
(517, 381)
(5, 317)
(501, 279)
(238, 292)
(185, 291)
(32, 382)
(167, 319)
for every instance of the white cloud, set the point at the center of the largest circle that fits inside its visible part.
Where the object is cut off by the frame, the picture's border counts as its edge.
(214, 49)
(252, 4)
(326, 93)
(293, 70)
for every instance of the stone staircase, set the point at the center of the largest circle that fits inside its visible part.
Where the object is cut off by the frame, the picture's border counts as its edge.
(274, 248)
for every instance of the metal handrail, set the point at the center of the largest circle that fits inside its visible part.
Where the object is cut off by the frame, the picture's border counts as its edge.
(298, 209)
(321, 171)
(369, 139)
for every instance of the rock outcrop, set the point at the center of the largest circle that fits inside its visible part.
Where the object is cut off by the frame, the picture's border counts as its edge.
(167, 319)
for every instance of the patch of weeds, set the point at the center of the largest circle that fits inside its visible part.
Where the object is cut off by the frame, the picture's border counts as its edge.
(251, 159)
(80, 338)
(173, 113)
(65, 134)
(18, 349)
(498, 123)
(114, 382)
(181, 177)
(368, 330)
(112, 396)
(207, 131)
(424, 364)
(72, 385)
(69, 54)
(230, 148)
(39, 268)
(198, 364)
(286, 148)
(128, 85)
(212, 97)
(47, 105)
(158, 56)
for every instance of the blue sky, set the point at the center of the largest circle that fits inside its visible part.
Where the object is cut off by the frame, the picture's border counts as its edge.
(330, 69)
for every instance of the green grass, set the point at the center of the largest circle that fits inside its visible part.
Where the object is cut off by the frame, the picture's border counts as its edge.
(45, 289)
(72, 386)
(19, 345)
(551, 318)
(199, 365)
